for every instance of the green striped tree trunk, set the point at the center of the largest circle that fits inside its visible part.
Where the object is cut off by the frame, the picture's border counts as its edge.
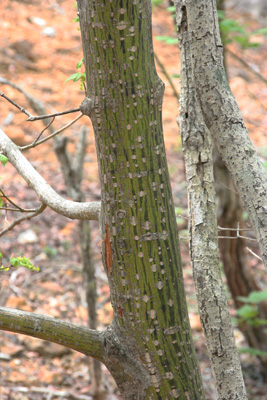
(149, 349)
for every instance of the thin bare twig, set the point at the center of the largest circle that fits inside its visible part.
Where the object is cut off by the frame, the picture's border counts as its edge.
(17, 208)
(233, 229)
(14, 209)
(227, 187)
(46, 127)
(36, 105)
(167, 76)
(243, 237)
(38, 117)
(34, 144)
(245, 64)
(237, 237)
(17, 221)
(254, 254)
(31, 117)
(181, 216)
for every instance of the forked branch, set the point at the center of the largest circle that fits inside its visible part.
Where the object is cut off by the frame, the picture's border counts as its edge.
(36, 142)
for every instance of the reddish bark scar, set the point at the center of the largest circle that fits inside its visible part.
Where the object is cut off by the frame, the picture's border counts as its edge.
(108, 251)
(120, 311)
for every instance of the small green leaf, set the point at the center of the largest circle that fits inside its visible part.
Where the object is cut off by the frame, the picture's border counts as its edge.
(245, 216)
(3, 159)
(2, 268)
(80, 63)
(262, 31)
(221, 14)
(156, 2)
(247, 312)
(74, 77)
(258, 322)
(172, 9)
(252, 351)
(167, 39)
(254, 297)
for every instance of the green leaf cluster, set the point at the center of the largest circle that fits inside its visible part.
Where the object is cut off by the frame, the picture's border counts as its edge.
(16, 262)
(249, 312)
(230, 29)
(78, 76)
(233, 31)
(253, 351)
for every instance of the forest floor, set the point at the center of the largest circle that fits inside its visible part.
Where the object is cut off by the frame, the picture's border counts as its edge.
(39, 48)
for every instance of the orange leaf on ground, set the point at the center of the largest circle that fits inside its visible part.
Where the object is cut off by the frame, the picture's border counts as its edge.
(68, 228)
(52, 287)
(82, 313)
(18, 302)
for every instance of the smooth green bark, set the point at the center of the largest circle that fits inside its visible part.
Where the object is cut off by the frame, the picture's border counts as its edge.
(79, 338)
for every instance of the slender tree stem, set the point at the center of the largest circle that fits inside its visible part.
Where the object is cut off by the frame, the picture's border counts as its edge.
(36, 142)
(31, 117)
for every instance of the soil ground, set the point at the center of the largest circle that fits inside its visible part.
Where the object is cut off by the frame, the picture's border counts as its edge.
(39, 48)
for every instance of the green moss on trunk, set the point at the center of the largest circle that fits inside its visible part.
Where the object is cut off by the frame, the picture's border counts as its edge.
(145, 277)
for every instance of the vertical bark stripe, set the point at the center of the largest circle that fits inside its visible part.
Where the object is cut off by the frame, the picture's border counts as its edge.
(108, 251)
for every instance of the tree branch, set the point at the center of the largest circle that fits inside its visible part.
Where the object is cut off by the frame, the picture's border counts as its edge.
(23, 218)
(17, 207)
(36, 142)
(167, 76)
(46, 194)
(31, 117)
(35, 104)
(87, 341)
